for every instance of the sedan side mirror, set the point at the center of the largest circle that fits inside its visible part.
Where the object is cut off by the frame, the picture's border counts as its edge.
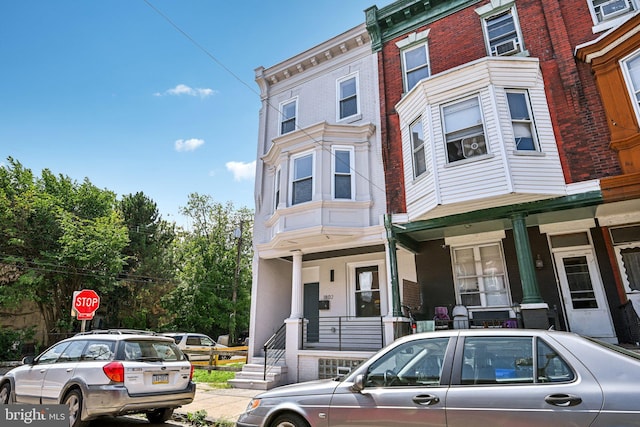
(358, 383)
(27, 360)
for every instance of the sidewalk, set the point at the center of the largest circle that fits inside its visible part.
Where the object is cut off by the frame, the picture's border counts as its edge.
(220, 403)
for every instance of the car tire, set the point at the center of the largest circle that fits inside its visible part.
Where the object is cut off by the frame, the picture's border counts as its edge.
(289, 420)
(159, 416)
(5, 393)
(73, 400)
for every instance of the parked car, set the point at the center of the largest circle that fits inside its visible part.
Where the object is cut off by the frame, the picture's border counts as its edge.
(473, 377)
(105, 373)
(195, 345)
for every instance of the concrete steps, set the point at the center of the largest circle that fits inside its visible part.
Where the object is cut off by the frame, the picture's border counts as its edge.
(251, 377)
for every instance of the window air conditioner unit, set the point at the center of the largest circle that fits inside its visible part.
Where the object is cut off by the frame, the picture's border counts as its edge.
(613, 8)
(506, 48)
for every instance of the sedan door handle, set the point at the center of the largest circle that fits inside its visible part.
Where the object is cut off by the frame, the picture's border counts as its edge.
(564, 400)
(426, 399)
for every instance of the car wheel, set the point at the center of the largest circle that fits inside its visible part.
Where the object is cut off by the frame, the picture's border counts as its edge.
(5, 393)
(73, 400)
(160, 415)
(289, 420)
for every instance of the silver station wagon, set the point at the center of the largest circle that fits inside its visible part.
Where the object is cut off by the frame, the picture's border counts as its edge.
(105, 373)
(471, 377)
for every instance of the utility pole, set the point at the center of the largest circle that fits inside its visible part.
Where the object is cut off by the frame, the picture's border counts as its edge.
(234, 296)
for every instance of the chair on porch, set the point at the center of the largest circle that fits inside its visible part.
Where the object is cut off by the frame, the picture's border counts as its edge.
(441, 318)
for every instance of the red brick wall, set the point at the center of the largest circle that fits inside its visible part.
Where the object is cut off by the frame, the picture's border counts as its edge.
(551, 30)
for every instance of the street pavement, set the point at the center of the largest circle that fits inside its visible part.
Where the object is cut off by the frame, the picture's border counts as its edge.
(221, 404)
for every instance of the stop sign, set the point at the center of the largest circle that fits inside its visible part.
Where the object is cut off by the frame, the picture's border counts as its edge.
(85, 303)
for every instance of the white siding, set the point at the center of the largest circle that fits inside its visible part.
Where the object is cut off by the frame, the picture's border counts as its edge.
(501, 177)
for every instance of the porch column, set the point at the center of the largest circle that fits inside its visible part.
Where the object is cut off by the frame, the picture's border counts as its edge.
(294, 322)
(393, 266)
(534, 309)
(296, 286)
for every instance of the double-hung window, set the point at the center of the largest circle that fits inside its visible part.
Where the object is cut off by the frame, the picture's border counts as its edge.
(631, 71)
(605, 10)
(417, 145)
(302, 179)
(479, 275)
(522, 120)
(276, 190)
(348, 97)
(342, 179)
(288, 117)
(416, 65)
(464, 130)
(503, 34)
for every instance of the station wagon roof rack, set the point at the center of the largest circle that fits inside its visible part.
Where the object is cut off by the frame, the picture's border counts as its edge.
(117, 332)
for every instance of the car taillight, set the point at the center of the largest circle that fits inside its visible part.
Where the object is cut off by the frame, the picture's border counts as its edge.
(114, 371)
(191, 373)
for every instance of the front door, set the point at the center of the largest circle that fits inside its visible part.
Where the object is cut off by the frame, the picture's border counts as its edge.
(311, 311)
(583, 294)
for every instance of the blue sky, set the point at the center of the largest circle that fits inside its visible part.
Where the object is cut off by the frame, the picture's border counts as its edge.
(112, 91)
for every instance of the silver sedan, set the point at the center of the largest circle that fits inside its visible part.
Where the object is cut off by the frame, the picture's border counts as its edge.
(459, 378)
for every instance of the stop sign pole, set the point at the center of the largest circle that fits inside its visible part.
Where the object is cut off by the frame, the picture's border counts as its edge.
(84, 305)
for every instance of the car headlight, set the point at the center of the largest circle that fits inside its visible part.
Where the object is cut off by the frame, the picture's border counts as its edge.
(253, 404)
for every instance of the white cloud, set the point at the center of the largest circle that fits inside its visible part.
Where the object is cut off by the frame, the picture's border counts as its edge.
(242, 171)
(188, 144)
(182, 89)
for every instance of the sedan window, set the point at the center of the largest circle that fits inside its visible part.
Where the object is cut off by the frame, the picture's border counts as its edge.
(510, 360)
(414, 363)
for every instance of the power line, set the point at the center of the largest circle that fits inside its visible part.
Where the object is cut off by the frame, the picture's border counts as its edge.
(228, 70)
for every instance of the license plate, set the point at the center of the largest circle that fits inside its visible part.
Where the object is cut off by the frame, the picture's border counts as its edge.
(160, 379)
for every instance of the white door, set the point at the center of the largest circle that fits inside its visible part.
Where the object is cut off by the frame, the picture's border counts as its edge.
(584, 299)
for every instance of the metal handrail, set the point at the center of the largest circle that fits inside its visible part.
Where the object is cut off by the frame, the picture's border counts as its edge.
(344, 333)
(274, 349)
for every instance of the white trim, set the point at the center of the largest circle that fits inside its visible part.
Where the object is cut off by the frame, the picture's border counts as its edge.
(352, 180)
(281, 116)
(413, 38)
(292, 168)
(356, 76)
(568, 226)
(475, 239)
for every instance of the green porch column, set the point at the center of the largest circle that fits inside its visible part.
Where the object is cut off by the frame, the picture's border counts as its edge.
(530, 290)
(393, 267)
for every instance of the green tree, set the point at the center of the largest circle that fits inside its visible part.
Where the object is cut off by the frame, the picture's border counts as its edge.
(209, 271)
(149, 269)
(56, 236)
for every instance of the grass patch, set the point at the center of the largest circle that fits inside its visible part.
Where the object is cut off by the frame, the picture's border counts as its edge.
(217, 379)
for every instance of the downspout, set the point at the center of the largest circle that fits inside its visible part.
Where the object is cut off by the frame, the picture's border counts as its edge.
(393, 266)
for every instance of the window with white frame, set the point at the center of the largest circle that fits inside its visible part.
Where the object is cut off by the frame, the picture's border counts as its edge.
(276, 190)
(464, 130)
(367, 291)
(302, 179)
(348, 97)
(417, 145)
(604, 10)
(480, 276)
(631, 71)
(503, 34)
(288, 116)
(522, 120)
(342, 167)
(416, 65)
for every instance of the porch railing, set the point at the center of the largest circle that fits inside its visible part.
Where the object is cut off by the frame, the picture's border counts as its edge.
(274, 349)
(343, 333)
